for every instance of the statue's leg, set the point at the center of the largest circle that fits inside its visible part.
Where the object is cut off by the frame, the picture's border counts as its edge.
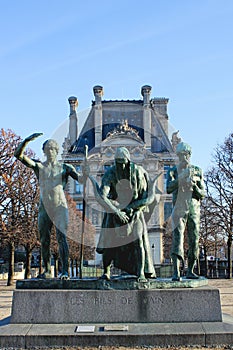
(63, 253)
(176, 267)
(193, 240)
(45, 226)
(61, 223)
(107, 260)
(177, 252)
(141, 261)
(149, 261)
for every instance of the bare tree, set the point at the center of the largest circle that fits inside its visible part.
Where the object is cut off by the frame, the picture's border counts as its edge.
(18, 190)
(74, 238)
(167, 239)
(211, 232)
(75, 231)
(28, 236)
(8, 203)
(219, 185)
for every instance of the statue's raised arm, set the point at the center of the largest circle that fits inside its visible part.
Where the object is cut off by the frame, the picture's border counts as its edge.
(53, 176)
(19, 152)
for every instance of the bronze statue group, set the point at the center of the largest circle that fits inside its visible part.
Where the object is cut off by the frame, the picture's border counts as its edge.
(128, 197)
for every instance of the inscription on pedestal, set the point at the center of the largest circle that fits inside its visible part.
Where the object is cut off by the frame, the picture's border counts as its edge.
(116, 306)
(100, 301)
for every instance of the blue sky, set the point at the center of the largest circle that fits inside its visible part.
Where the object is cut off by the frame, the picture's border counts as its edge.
(52, 49)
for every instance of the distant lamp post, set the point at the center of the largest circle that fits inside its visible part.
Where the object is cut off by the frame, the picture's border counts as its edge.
(153, 252)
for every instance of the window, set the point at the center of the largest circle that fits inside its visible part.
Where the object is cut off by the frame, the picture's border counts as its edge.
(79, 206)
(95, 217)
(165, 169)
(78, 186)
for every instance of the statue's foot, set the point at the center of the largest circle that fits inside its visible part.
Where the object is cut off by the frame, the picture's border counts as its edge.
(99, 250)
(64, 276)
(192, 276)
(176, 278)
(105, 276)
(150, 275)
(45, 275)
(142, 278)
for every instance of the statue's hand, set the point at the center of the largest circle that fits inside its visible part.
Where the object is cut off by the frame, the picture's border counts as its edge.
(129, 211)
(122, 216)
(33, 136)
(19, 152)
(189, 181)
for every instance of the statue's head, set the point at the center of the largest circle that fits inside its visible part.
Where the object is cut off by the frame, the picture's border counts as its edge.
(183, 147)
(122, 155)
(50, 144)
(183, 151)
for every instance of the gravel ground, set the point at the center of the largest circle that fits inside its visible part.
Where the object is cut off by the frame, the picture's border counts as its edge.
(127, 348)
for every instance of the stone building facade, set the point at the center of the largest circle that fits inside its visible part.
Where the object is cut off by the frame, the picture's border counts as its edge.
(140, 125)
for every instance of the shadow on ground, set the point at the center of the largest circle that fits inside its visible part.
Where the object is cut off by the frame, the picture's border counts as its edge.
(5, 321)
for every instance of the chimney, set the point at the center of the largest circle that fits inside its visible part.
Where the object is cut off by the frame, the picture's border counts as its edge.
(73, 120)
(98, 93)
(145, 91)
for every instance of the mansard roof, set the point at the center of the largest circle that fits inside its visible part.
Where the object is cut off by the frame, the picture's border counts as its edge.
(114, 112)
(140, 102)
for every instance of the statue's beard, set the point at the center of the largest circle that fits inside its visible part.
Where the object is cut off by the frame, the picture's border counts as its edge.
(122, 171)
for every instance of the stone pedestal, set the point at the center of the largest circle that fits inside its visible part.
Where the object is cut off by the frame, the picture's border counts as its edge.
(168, 305)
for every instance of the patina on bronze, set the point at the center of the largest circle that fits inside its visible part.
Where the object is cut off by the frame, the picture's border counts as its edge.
(52, 176)
(126, 194)
(185, 182)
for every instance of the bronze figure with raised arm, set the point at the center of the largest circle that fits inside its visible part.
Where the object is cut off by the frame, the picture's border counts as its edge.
(52, 176)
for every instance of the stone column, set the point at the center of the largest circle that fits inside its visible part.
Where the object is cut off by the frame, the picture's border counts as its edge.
(73, 120)
(145, 91)
(98, 120)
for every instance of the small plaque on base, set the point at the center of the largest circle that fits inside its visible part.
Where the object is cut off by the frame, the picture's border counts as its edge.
(85, 329)
(116, 328)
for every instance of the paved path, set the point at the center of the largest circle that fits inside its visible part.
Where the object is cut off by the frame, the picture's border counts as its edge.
(226, 294)
(6, 293)
(225, 287)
